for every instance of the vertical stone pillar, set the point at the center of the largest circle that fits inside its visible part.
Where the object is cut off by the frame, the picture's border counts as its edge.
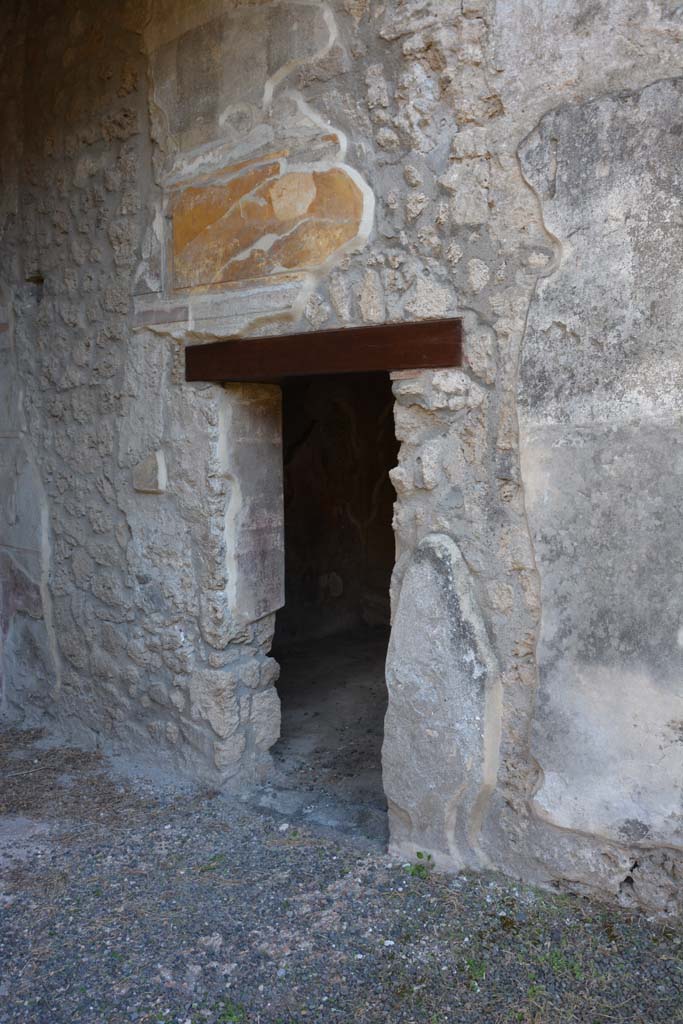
(251, 436)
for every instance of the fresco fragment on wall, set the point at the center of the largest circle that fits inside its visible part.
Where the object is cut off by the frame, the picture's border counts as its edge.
(256, 219)
(255, 180)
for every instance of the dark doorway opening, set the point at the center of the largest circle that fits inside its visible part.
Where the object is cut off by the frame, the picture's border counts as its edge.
(331, 636)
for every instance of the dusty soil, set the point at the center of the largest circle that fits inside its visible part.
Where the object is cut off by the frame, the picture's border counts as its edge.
(120, 903)
(327, 767)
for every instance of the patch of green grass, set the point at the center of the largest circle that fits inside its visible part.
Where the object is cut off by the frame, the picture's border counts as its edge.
(230, 1013)
(476, 970)
(560, 963)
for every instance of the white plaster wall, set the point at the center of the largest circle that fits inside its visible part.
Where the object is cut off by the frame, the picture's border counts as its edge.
(601, 458)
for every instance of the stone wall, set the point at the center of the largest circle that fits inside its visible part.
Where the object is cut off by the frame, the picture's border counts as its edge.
(178, 172)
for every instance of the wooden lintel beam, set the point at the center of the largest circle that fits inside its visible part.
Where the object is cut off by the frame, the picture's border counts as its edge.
(427, 344)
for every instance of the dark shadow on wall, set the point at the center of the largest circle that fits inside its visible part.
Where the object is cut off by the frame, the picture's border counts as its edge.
(338, 447)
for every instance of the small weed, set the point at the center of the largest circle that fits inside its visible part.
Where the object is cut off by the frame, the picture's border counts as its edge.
(423, 868)
(477, 972)
(561, 964)
(231, 1013)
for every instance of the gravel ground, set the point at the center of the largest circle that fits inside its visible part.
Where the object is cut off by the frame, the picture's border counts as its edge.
(120, 903)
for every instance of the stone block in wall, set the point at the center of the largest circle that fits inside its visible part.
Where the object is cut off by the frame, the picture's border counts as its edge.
(149, 476)
(213, 698)
(251, 448)
(265, 718)
(441, 732)
(227, 754)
